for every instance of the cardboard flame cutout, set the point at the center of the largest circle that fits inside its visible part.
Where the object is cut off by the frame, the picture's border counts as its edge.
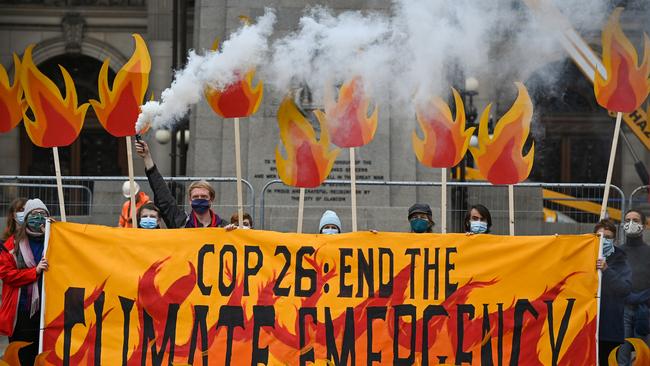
(500, 158)
(11, 105)
(347, 119)
(118, 107)
(237, 100)
(308, 161)
(627, 84)
(57, 120)
(445, 140)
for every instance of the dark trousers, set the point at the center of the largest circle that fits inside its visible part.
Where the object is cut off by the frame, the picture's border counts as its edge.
(27, 330)
(604, 349)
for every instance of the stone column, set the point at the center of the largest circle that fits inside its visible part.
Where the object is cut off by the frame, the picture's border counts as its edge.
(159, 41)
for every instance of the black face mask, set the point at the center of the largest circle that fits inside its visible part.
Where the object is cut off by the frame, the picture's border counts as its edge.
(200, 205)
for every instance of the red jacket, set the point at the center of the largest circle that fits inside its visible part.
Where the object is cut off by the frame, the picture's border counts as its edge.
(12, 280)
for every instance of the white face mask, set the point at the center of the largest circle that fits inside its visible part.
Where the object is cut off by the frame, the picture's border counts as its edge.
(20, 217)
(330, 231)
(633, 229)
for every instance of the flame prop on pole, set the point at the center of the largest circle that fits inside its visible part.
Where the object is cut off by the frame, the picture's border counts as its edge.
(350, 126)
(624, 87)
(445, 141)
(11, 98)
(57, 120)
(308, 160)
(237, 100)
(500, 159)
(118, 107)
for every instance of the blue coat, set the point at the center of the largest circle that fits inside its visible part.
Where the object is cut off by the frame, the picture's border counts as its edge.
(616, 285)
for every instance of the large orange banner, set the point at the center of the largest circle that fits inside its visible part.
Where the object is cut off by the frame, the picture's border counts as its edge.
(248, 297)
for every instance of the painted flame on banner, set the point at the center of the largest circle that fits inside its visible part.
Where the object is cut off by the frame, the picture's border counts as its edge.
(309, 161)
(237, 100)
(445, 140)
(347, 119)
(118, 107)
(627, 83)
(11, 105)
(57, 120)
(500, 158)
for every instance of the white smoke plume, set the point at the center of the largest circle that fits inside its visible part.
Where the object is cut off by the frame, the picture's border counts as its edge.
(406, 53)
(243, 50)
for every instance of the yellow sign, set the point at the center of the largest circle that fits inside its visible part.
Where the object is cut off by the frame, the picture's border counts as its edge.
(210, 297)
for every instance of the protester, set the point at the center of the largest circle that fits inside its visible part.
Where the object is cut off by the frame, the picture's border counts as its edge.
(329, 223)
(140, 199)
(636, 308)
(616, 285)
(478, 220)
(148, 216)
(201, 196)
(21, 266)
(15, 218)
(247, 220)
(421, 218)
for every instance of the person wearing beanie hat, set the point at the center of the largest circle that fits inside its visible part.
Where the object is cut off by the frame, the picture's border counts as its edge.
(21, 272)
(420, 218)
(329, 223)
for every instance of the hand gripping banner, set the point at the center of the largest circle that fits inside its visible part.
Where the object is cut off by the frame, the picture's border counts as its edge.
(248, 297)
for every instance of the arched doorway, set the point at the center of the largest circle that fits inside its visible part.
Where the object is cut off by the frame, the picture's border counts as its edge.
(95, 152)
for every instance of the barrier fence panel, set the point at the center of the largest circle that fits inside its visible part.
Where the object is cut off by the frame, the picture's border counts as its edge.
(540, 208)
(99, 200)
(640, 199)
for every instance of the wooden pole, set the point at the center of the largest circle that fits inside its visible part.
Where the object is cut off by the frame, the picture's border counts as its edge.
(240, 199)
(600, 287)
(511, 208)
(301, 209)
(610, 168)
(129, 158)
(443, 201)
(353, 188)
(59, 182)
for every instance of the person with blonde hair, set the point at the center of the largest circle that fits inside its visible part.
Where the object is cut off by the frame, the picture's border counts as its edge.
(201, 195)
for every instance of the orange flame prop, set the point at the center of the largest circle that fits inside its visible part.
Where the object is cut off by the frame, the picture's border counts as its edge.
(445, 139)
(500, 158)
(348, 118)
(239, 99)
(309, 161)
(627, 84)
(11, 105)
(57, 120)
(118, 108)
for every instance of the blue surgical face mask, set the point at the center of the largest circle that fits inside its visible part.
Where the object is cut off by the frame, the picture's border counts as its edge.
(200, 205)
(20, 217)
(478, 227)
(419, 225)
(148, 222)
(329, 231)
(608, 246)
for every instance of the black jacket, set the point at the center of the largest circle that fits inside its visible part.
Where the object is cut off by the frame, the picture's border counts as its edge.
(616, 285)
(173, 216)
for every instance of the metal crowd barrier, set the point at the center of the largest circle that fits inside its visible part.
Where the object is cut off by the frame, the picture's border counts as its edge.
(640, 199)
(574, 207)
(102, 200)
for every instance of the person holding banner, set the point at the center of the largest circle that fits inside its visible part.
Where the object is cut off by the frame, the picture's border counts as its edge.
(15, 218)
(616, 285)
(140, 199)
(201, 196)
(21, 269)
(247, 222)
(421, 218)
(148, 216)
(329, 223)
(478, 220)
(636, 308)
